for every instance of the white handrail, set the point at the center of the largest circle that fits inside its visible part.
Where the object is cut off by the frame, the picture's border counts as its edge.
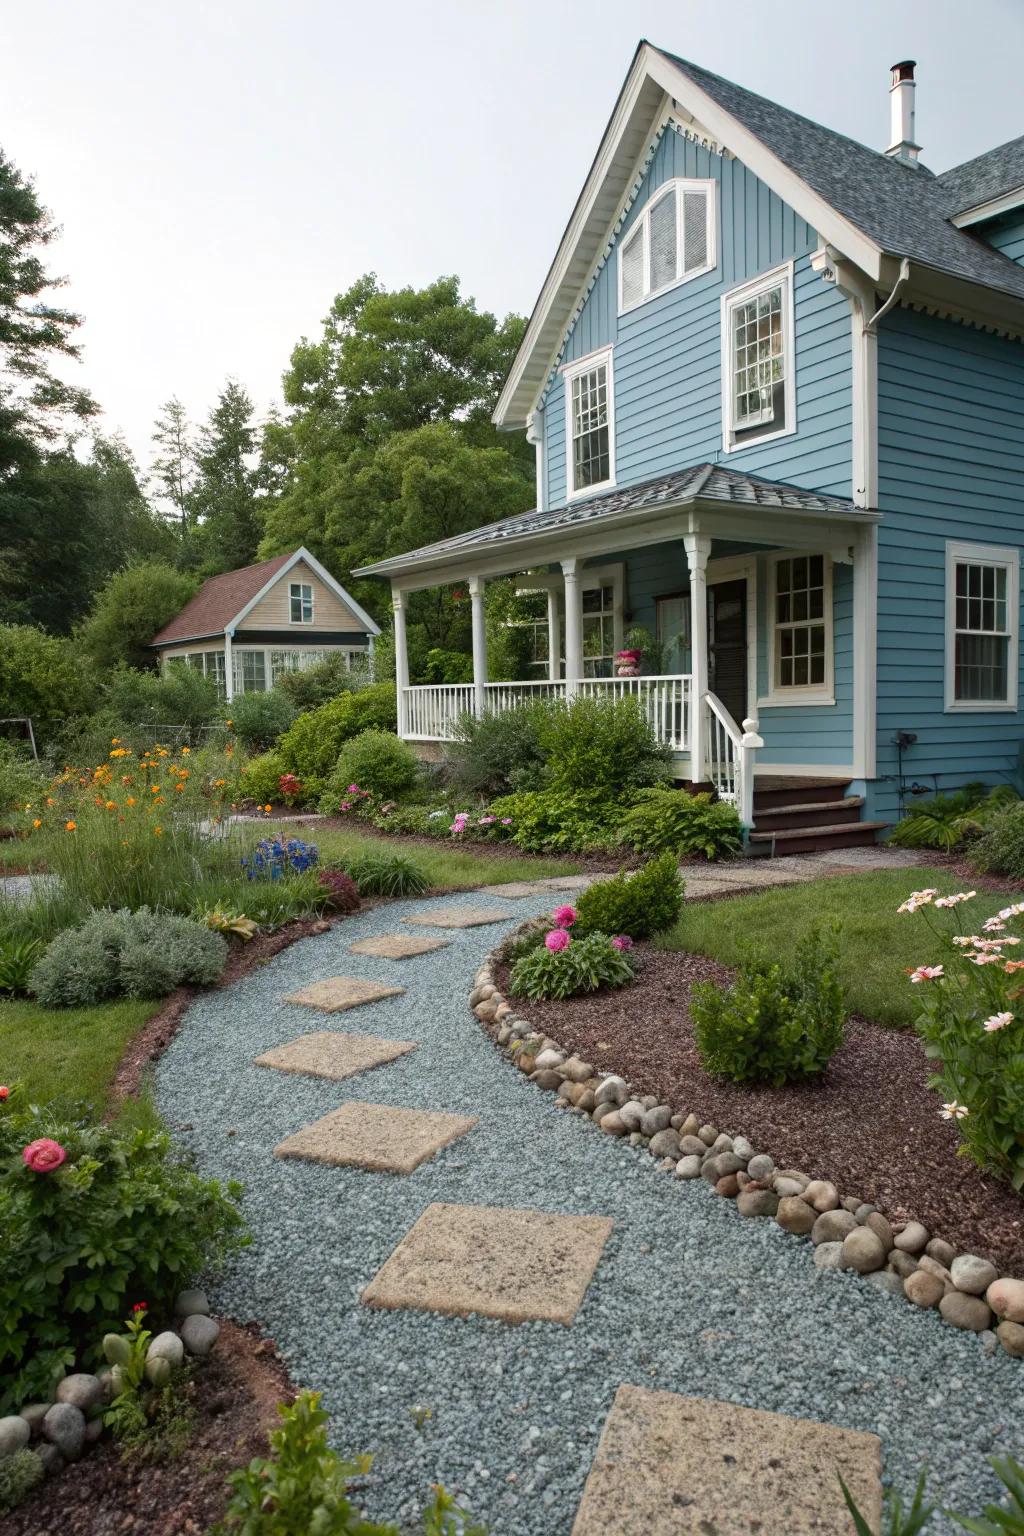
(730, 757)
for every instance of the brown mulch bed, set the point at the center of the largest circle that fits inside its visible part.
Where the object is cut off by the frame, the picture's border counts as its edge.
(869, 1123)
(234, 1393)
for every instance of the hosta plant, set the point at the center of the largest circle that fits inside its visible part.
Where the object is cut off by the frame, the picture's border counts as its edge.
(225, 922)
(972, 1025)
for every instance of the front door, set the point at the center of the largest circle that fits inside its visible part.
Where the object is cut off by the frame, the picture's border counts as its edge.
(727, 645)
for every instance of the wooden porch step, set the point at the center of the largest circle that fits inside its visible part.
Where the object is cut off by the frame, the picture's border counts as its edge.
(820, 837)
(810, 813)
(771, 792)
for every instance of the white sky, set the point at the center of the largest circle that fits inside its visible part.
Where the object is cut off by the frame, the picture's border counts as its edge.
(222, 169)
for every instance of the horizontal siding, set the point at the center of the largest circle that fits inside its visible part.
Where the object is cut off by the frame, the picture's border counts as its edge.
(274, 610)
(1008, 236)
(667, 352)
(951, 466)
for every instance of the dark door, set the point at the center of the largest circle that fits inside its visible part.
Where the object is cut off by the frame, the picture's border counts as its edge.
(727, 645)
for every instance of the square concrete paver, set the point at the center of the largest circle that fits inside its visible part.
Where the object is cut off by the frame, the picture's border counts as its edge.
(340, 992)
(516, 1265)
(334, 1056)
(397, 946)
(458, 917)
(685, 1466)
(516, 890)
(375, 1136)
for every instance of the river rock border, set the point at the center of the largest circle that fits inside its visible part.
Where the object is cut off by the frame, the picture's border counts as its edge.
(900, 1258)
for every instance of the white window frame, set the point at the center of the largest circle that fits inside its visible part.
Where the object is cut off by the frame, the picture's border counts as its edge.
(1007, 556)
(602, 357)
(678, 185)
(297, 588)
(809, 693)
(778, 276)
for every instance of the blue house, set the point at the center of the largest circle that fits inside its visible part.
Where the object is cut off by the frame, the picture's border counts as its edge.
(775, 384)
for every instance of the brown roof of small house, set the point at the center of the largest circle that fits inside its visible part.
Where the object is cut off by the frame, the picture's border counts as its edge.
(218, 601)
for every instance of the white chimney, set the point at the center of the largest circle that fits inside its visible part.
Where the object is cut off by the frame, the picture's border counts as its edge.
(901, 94)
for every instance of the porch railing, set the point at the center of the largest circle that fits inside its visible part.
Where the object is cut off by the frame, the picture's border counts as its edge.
(730, 756)
(666, 702)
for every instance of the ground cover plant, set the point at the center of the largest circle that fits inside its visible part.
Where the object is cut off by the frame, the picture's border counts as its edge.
(140, 954)
(663, 818)
(1000, 849)
(949, 821)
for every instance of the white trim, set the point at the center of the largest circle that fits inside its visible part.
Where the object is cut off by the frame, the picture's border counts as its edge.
(813, 693)
(325, 576)
(600, 358)
(806, 770)
(778, 277)
(535, 434)
(678, 186)
(736, 568)
(1006, 203)
(1007, 556)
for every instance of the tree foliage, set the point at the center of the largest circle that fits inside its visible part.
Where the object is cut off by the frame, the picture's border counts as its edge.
(223, 501)
(42, 677)
(130, 608)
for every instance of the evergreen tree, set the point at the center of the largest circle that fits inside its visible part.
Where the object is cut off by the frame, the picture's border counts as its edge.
(174, 468)
(223, 500)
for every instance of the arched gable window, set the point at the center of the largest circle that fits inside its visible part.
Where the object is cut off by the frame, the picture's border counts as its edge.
(673, 240)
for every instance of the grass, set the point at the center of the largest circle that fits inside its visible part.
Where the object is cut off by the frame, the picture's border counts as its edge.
(877, 945)
(67, 1055)
(448, 866)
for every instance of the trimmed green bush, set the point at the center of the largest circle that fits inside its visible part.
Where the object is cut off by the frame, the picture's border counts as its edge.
(779, 1021)
(319, 684)
(496, 753)
(311, 745)
(260, 779)
(378, 762)
(584, 965)
(673, 819)
(606, 746)
(1000, 850)
(126, 954)
(387, 874)
(258, 719)
(639, 904)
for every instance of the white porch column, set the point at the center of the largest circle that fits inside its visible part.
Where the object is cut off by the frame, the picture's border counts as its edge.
(476, 595)
(573, 627)
(401, 656)
(554, 638)
(698, 548)
(229, 681)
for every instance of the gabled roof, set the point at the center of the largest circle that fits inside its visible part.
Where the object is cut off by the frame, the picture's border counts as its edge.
(985, 178)
(702, 483)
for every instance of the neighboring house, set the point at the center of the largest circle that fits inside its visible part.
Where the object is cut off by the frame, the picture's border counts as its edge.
(775, 382)
(247, 628)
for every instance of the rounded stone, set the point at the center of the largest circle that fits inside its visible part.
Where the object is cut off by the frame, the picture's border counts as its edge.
(656, 1120)
(972, 1274)
(828, 1255)
(722, 1143)
(586, 1101)
(913, 1238)
(1006, 1298)
(942, 1252)
(166, 1346)
(93, 1430)
(761, 1166)
(923, 1289)
(549, 1058)
(199, 1334)
(863, 1250)
(34, 1414)
(708, 1134)
(51, 1458)
(864, 1211)
(81, 1389)
(64, 1427)
(577, 1071)
(710, 1171)
(822, 1195)
(795, 1215)
(690, 1126)
(741, 1146)
(964, 1311)
(728, 1162)
(632, 1114)
(611, 1121)
(612, 1090)
(885, 1281)
(933, 1267)
(547, 1077)
(851, 1203)
(877, 1223)
(14, 1434)
(688, 1167)
(1011, 1337)
(757, 1202)
(728, 1186)
(787, 1187)
(692, 1145)
(902, 1264)
(832, 1226)
(665, 1143)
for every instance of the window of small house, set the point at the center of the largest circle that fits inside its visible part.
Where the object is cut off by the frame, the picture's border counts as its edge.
(672, 240)
(301, 601)
(982, 597)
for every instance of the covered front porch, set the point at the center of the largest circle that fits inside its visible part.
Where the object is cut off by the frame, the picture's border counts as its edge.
(748, 590)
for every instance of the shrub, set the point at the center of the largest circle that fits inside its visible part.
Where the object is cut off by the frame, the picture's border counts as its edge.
(19, 1474)
(153, 701)
(318, 684)
(121, 1215)
(311, 745)
(130, 608)
(387, 874)
(440, 666)
(341, 893)
(22, 779)
(778, 1021)
(672, 819)
(261, 778)
(1000, 850)
(581, 965)
(17, 957)
(604, 746)
(378, 762)
(494, 753)
(126, 954)
(557, 821)
(44, 678)
(946, 821)
(258, 719)
(640, 904)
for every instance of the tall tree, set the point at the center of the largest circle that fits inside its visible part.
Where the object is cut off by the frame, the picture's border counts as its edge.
(130, 608)
(174, 467)
(223, 500)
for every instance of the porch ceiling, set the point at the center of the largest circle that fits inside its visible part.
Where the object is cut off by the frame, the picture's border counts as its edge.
(766, 512)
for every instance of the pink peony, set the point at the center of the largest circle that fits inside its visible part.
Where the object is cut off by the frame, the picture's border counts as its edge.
(353, 789)
(564, 917)
(44, 1155)
(622, 941)
(557, 939)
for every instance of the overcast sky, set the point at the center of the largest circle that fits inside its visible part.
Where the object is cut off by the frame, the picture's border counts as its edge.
(221, 170)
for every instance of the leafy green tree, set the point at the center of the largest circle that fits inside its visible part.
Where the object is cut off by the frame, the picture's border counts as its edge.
(129, 610)
(42, 677)
(224, 500)
(130, 525)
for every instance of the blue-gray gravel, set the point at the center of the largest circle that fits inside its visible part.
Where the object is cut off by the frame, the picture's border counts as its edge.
(689, 1296)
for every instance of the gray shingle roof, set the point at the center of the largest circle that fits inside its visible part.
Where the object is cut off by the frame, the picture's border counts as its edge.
(703, 482)
(902, 208)
(985, 177)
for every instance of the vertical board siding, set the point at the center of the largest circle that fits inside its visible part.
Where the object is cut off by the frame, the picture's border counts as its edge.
(951, 466)
(667, 351)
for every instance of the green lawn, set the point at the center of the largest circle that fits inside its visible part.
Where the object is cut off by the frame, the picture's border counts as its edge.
(448, 865)
(67, 1055)
(877, 945)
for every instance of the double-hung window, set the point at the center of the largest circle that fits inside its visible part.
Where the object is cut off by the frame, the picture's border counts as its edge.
(982, 641)
(300, 598)
(672, 240)
(801, 629)
(589, 423)
(759, 398)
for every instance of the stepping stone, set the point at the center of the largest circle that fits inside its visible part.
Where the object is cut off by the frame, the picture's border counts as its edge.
(571, 882)
(515, 890)
(334, 1056)
(519, 1266)
(340, 992)
(684, 1466)
(396, 946)
(458, 917)
(375, 1136)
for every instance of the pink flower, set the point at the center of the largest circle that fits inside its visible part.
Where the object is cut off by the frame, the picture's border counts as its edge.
(557, 939)
(564, 917)
(345, 805)
(998, 1021)
(954, 901)
(926, 973)
(353, 789)
(623, 941)
(487, 821)
(5, 1093)
(44, 1155)
(506, 821)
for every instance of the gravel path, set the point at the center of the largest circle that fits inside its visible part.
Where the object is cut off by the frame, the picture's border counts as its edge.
(688, 1297)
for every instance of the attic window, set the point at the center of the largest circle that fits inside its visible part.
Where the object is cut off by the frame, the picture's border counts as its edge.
(672, 240)
(301, 602)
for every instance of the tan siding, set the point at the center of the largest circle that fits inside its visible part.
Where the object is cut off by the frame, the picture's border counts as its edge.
(329, 612)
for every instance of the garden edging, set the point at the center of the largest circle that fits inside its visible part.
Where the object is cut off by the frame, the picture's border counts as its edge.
(901, 1259)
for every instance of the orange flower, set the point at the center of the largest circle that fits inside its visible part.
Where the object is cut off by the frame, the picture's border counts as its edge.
(228, 723)
(71, 826)
(50, 800)
(155, 789)
(185, 751)
(130, 800)
(37, 824)
(115, 741)
(158, 831)
(267, 809)
(111, 806)
(219, 783)
(179, 789)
